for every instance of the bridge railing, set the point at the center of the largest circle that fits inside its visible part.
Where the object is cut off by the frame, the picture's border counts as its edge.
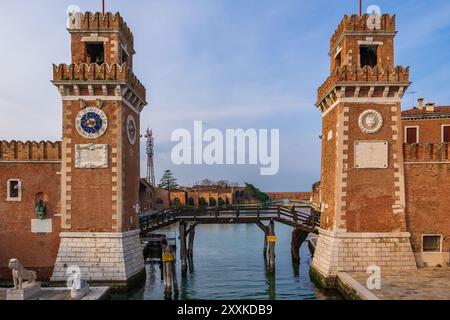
(286, 214)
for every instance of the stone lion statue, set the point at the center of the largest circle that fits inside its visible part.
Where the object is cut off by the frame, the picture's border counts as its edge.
(19, 274)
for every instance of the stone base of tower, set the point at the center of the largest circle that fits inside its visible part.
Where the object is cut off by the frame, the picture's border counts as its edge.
(355, 252)
(107, 258)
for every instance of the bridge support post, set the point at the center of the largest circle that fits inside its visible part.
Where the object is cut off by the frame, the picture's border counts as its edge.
(298, 237)
(183, 250)
(272, 241)
(191, 241)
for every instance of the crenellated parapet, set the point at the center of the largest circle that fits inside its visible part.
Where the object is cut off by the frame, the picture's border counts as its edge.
(426, 152)
(95, 22)
(355, 23)
(99, 80)
(366, 82)
(30, 151)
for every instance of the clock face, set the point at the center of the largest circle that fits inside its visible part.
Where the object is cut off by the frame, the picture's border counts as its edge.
(131, 129)
(91, 123)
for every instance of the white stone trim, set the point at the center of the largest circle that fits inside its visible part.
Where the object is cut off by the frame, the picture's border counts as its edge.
(338, 251)
(108, 235)
(8, 193)
(102, 257)
(362, 292)
(378, 100)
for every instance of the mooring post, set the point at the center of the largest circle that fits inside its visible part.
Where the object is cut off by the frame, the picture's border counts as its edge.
(191, 241)
(271, 239)
(183, 253)
(168, 269)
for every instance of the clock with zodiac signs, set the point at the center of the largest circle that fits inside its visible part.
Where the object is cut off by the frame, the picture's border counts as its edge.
(91, 123)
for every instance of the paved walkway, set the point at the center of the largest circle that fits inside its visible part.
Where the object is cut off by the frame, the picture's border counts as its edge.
(423, 284)
(96, 293)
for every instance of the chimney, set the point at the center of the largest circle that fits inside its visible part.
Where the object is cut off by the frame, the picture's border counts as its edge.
(430, 107)
(420, 101)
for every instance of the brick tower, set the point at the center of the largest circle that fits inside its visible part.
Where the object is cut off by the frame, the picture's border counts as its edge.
(362, 186)
(101, 101)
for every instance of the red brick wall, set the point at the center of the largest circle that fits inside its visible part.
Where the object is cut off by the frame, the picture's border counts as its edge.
(131, 172)
(329, 158)
(430, 131)
(428, 202)
(91, 190)
(35, 251)
(293, 196)
(371, 192)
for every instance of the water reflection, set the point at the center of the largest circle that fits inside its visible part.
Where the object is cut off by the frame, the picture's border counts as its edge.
(228, 264)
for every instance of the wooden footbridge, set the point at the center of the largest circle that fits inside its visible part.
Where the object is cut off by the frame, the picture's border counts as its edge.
(291, 215)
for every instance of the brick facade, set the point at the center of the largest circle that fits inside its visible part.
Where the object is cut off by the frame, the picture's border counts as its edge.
(37, 165)
(362, 191)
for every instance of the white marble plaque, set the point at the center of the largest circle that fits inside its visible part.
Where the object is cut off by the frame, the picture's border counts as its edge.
(41, 226)
(91, 156)
(371, 154)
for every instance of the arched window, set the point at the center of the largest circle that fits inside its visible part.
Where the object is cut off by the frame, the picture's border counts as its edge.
(40, 203)
(212, 202)
(221, 202)
(203, 202)
(191, 202)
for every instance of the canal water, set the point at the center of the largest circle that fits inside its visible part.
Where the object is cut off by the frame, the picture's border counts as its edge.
(229, 264)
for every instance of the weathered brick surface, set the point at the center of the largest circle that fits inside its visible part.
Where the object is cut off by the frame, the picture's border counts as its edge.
(329, 169)
(294, 196)
(427, 190)
(371, 193)
(35, 251)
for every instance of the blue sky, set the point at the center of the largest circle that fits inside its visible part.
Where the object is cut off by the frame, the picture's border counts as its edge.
(233, 64)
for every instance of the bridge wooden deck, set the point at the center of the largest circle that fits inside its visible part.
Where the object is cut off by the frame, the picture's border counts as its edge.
(288, 215)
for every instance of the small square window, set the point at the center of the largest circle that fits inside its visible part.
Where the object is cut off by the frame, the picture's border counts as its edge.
(431, 243)
(14, 190)
(368, 56)
(95, 53)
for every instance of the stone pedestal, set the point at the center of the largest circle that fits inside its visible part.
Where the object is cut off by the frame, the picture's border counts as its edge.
(101, 257)
(78, 294)
(27, 291)
(355, 252)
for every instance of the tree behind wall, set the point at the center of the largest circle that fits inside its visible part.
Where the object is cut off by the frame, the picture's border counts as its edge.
(168, 181)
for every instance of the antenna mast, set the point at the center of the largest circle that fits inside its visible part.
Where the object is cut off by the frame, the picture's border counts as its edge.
(150, 153)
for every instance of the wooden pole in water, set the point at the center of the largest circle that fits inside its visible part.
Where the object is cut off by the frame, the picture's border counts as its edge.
(168, 261)
(183, 253)
(265, 243)
(272, 246)
(191, 242)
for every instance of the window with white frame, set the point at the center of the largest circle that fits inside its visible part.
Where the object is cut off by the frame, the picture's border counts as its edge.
(412, 134)
(14, 190)
(431, 243)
